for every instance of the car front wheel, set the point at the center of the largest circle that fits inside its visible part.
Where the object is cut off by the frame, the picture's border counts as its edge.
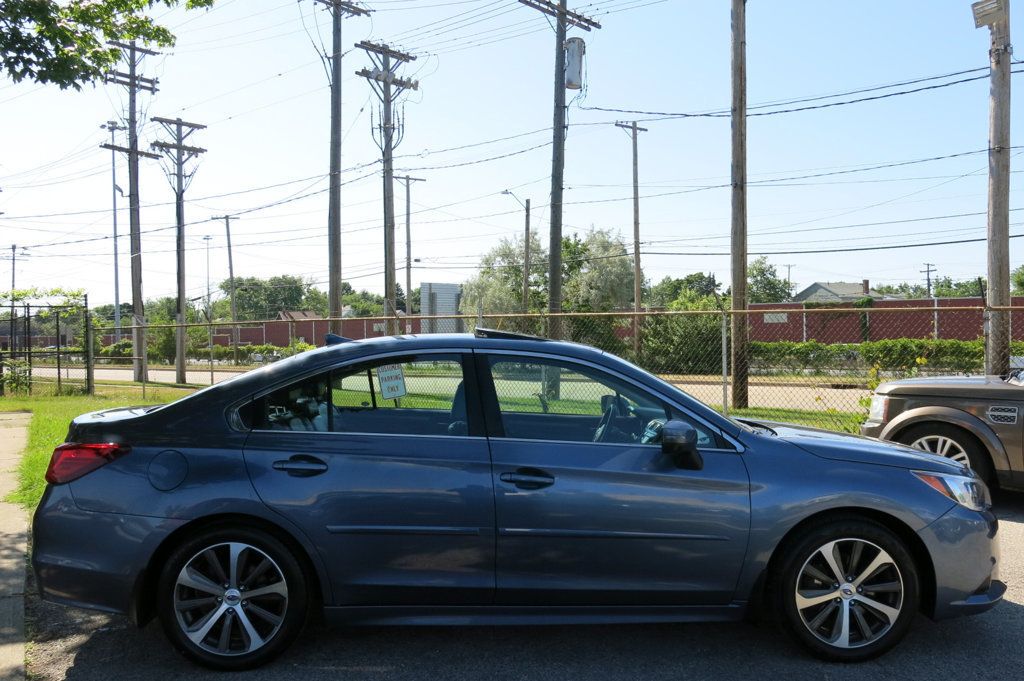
(232, 598)
(950, 442)
(847, 590)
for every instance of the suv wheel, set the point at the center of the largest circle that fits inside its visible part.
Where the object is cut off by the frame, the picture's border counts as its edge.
(950, 442)
(847, 590)
(232, 598)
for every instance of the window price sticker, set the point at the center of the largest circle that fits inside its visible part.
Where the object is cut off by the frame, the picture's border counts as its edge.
(392, 381)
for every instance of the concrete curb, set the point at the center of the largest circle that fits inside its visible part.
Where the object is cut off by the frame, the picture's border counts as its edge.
(13, 537)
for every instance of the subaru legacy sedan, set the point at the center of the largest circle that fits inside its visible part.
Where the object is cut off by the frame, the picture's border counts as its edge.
(497, 479)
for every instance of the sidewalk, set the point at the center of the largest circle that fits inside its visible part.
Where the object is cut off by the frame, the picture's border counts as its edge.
(13, 534)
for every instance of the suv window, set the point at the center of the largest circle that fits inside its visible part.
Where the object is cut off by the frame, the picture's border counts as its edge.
(541, 399)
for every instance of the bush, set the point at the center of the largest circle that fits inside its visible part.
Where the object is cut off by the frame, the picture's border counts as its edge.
(902, 356)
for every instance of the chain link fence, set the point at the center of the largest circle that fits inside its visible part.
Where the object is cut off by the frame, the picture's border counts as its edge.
(45, 350)
(810, 365)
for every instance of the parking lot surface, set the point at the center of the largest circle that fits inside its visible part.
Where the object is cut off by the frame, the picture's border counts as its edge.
(70, 644)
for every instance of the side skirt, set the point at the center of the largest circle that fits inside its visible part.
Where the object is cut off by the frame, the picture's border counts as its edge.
(430, 615)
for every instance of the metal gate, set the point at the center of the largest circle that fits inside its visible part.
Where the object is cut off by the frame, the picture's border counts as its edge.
(45, 349)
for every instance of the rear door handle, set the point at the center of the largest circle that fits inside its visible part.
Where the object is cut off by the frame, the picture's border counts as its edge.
(528, 478)
(301, 466)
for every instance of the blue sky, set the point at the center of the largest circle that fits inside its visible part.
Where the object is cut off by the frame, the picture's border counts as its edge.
(249, 70)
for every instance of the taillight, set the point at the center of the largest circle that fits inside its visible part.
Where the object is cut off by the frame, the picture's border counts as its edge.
(71, 460)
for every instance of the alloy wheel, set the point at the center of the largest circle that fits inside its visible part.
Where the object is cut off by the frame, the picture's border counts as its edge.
(943, 446)
(849, 593)
(230, 599)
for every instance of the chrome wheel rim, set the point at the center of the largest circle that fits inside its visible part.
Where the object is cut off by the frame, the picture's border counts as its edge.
(943, 446)
(230, 599)
(849, 593)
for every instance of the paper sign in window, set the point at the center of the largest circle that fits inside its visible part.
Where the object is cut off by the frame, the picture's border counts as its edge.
(392, 381)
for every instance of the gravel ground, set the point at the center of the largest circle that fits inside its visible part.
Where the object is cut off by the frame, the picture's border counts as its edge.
(72, 644)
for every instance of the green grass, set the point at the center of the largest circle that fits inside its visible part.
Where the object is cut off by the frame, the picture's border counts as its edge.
(842, 421)
(50, 419)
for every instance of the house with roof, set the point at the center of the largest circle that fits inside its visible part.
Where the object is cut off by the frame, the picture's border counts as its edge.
(839, 292)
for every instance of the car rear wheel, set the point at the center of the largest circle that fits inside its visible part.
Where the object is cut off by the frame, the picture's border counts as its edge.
(232, 598)
(950, 442)
(847, 590)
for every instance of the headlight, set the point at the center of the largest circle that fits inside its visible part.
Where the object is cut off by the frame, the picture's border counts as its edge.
(970, 493)
(879, 409)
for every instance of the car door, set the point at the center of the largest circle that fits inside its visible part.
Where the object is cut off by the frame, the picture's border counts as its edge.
(611, 522)
(383, 464)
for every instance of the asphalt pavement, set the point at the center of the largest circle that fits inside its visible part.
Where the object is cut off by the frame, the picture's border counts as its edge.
(81, 646)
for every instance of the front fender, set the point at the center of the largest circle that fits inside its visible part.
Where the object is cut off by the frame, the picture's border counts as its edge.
(956, 417)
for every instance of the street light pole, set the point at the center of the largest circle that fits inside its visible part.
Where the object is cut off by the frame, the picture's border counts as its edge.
(526, 252)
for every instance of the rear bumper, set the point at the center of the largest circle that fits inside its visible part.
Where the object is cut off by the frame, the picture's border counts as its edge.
(964, 546)
(91, 560)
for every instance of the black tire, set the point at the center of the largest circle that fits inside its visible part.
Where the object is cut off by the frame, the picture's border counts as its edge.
(280, 616)
(803, 551)
(976, 454)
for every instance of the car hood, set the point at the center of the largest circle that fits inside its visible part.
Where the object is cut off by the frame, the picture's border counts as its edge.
(843, 447)
(992, 387)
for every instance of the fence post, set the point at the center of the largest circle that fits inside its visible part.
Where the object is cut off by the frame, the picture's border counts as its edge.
(90, 384)
(28, 343)
(56, 318)
(725, 364)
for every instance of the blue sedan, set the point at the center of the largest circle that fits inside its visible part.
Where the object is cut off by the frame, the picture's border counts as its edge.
(496, 479)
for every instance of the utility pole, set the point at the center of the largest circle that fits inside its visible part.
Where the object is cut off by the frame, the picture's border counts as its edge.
(388, 86)
(996, 15)
(113, 127)
(14, 269)
(927, 272)
(740, 354)
(179, 154)
(231, 287)
(408, 245)
(564, 18)
(789, 279)
(339, 10)
(637, 276)
(134, 83)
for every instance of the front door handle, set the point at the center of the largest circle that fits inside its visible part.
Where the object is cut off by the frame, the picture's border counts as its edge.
(301, 466)
(528, 478)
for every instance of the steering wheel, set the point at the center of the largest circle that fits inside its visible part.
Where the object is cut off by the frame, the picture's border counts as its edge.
(604, 428)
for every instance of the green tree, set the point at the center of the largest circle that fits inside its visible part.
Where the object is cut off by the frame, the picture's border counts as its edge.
(904, 289)
(66, 42)
(668, 289)
(946, 287)
(498, 286)
(1017, 281)
(598, 276)
(764, 285)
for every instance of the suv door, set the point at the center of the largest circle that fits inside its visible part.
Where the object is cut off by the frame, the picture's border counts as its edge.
(589, 510)
(383, 464)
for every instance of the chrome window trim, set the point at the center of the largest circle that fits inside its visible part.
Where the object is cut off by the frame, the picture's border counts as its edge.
(618, 445)
(461, 438)
(737, 446)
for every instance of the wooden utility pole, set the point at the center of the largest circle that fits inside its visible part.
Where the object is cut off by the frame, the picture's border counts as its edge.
(740, 354)
(339, 10)
(408, 244)
(637, 273)
(564, 18)
(388, 86)
(134, 83)
(996, 15)
(231, 287)
(179, 154)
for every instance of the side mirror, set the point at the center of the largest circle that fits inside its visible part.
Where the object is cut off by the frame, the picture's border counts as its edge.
(679, 442)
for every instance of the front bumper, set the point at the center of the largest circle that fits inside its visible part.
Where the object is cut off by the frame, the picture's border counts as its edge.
(964, 547)
(92, 560)
(872, 429)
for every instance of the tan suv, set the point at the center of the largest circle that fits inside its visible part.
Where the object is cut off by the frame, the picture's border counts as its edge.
(975, 420)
